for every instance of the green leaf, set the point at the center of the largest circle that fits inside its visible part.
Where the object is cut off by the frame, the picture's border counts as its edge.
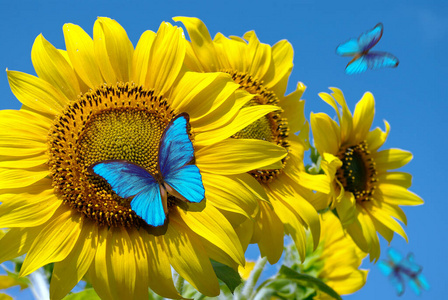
(88, 294)
(227, 275)
(308, 281)
(13, 279)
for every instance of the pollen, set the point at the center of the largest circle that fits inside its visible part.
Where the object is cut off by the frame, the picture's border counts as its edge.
(120, 121)
(272, 127)
(358, 173)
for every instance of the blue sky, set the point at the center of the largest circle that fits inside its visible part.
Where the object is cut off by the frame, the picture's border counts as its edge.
(409, 97)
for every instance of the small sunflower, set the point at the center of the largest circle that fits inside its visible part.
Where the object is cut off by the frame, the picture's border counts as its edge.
(336, 260)
(264, 71)
(101, 99)
(365, 194)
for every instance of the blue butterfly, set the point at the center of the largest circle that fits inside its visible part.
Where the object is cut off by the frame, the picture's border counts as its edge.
(401, 270)
(176, 175)
(363, 59)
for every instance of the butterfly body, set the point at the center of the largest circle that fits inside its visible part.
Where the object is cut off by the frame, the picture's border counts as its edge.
(363, 58)
(176, 175)
(401, 270)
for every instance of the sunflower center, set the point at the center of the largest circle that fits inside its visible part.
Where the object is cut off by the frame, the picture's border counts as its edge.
(358, 173)
(271, 127)
(121, 121)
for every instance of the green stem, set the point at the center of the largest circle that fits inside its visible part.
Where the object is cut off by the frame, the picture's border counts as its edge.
(179, 284)
(249, 287)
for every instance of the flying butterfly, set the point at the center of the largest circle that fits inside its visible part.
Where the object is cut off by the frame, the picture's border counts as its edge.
(176, 175)
(363, 58)
(401, 270)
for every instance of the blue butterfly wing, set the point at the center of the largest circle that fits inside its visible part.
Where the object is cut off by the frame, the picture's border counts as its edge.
(175, 153)
(349, 48)
(385, 268)
(362, 44)
(148, 205)
(377, 60)
(370, 38)
(410, 264)
(397, 281)
(175, 149)
(421, 282)
(394, 256)
(187, 182)
(357, 66)
(130, 180)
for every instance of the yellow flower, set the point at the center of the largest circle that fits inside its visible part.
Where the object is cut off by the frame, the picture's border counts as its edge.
(264, 71)
(338, 259)
(246, 270)
(101, 99)
(365, 193)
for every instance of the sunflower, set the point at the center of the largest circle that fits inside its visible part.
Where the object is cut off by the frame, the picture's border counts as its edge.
(336, 260)
(365, 194)
(264, 71)
(101, 99)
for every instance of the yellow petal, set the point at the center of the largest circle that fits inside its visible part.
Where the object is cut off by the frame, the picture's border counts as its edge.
(291, 201)
(392, 210)
(232, 193)
(201, 43)
(17, 241)
(385, 219)
(383, 230)
(245, 117)
(346, 209)
(36, 93)
(260, 56)
(16, 178)
(398, 178)
(141, 262)
(369, 232)
(212, 226)
(5, 297)
(391, 159)
(82, 56)
(55, 242)
(351, 283)
(68, 272)
(100, 271)
(377, 137)
(363, 117)
(326, 133)
(166, 58)
(159, 276)
(294, 108)
(31, 211)
(346, 120)
(123, 263)
(113, 50)
(295, 169)
(247, 270)
(282, 55)
(140, 59)
(234, 156)
(82, 86)
(188, 257)
(205, 97)
(22, 123)
(22, 162)
(245, 232)
(231, 53)
(51, 66)
(332, 102)
(356, 233)
(269, 233)
(398, 195)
